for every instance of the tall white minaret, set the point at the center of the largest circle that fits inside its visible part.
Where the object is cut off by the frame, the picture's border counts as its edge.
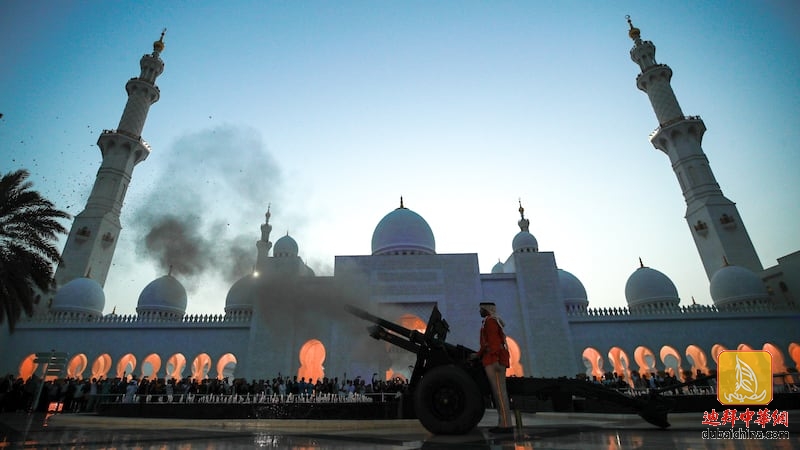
(93, 238)
(714, 221)
(263, 245)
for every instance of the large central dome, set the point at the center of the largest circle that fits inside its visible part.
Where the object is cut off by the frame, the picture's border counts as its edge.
(403, 232)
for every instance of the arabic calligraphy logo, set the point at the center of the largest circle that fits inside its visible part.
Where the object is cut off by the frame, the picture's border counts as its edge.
(744, 378)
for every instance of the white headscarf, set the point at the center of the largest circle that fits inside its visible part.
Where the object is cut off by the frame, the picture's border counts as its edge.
(492, 310)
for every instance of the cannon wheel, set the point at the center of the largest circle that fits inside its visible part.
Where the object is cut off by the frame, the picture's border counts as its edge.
(448, 401)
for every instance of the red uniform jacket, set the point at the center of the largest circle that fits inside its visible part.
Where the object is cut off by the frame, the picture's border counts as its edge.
(493, 343)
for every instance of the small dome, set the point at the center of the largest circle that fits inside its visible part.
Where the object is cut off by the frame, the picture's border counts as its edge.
(648, 286)
(498, 268)
(164, 295)
(403, 231)
(240, 296)
(524, 242)
(81, 296)
(572, 290)
(732, 286)
(285, 246)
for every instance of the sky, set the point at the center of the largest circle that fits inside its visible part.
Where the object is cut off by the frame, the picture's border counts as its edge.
(329, 112)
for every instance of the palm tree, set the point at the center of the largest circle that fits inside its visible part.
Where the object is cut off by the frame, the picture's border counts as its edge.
(28, 230)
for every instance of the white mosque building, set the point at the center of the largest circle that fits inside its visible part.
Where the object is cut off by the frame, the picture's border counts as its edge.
(284, 319)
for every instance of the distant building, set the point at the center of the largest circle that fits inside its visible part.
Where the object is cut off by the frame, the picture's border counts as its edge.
(282, 318)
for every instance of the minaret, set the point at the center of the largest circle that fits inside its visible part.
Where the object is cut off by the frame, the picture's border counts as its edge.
(714, 221)
(263, 245)
(95, 231)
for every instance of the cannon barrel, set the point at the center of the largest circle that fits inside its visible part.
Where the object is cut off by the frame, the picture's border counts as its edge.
(391, 326)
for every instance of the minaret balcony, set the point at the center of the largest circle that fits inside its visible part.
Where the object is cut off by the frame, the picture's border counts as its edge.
(130, 135)
(663, 136)
(652, 73)
(145, 80)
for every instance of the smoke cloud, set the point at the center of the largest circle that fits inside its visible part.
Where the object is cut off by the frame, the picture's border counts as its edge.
(202, 216)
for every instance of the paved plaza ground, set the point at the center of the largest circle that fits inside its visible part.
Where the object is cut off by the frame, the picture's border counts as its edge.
(538, 431)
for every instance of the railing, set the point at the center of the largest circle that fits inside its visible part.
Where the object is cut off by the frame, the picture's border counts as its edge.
(89, 403)
(130, 135)
(674, 121)
(783, 383)
(670, 310)
(72, 317)
(243, 398)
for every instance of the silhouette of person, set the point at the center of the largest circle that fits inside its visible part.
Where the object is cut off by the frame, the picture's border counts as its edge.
(495, 358)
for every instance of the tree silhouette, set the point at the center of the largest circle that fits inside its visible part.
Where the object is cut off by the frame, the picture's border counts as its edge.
(28, 231)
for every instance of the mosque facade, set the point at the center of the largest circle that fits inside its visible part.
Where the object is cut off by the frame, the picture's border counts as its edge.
(283, 319)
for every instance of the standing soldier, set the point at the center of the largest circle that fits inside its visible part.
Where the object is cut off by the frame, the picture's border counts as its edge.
(495, 358)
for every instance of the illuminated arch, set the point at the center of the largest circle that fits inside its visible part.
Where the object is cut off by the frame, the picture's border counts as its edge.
(697, 358)
(226, 366)
(716, 350)
(151, 364)
(392, 375)
(672, 361)
(778, 364)
(27, 367)
(200, 366)
(400, 360)
(794, 353)
(514, 355)
(101, 366)
(621, 364)
(646, 360)
(76, 366)
(175, 365)
(744, 347)
(413, 322)
(593, 362)
(312, 355)
(125, 366)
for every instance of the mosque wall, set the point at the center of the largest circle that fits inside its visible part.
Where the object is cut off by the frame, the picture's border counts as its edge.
(783, 280)
(543, 317)
(451, 281)
(502, 289)
(138, 339)
(679, 331)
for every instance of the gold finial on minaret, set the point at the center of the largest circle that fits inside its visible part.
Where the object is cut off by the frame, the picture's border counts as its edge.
(523, 223)
(634, 32)
(158, 46)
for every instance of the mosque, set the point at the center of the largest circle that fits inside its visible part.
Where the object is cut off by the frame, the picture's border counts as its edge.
(283, 319)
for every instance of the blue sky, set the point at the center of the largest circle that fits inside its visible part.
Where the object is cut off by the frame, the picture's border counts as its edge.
(330, 111)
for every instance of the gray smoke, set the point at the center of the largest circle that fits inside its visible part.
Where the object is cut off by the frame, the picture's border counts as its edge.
(177, 244)
(202, 216)
(287, 304)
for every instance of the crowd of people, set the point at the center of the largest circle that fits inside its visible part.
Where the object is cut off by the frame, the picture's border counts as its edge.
(689, 384)
(79, 395)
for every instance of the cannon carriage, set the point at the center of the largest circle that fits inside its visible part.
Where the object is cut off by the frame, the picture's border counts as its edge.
(448, 390)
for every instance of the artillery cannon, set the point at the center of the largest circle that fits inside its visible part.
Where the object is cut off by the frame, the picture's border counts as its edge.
(448, 389)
